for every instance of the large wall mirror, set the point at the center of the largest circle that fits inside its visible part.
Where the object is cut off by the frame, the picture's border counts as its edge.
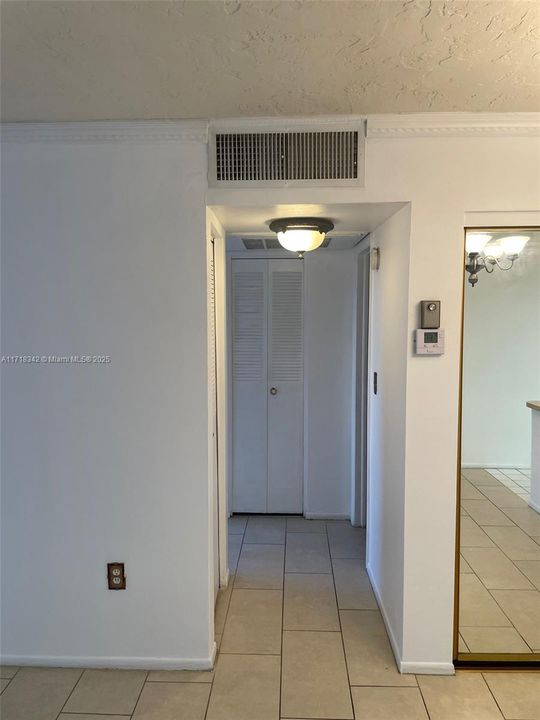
(498, 615)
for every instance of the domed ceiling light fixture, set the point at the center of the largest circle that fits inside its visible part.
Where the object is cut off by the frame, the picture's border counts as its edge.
(483, 254)
(301, 235)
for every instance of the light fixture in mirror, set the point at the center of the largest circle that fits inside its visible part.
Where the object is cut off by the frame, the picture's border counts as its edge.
(493, 251)
(484, 253)
(301, 235)
(476, 242)
(514, 244)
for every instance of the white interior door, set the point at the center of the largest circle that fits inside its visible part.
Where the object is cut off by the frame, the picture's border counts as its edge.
(267, 370)
(250, 380)
(285, 386)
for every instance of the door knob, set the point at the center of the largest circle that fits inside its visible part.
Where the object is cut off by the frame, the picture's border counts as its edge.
(273, 391)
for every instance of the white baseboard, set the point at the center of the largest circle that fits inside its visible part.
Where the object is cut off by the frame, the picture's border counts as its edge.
(534, 505)
(224, 582)
(420, 668)
(389, 630)
(124, 663)
(327, 516)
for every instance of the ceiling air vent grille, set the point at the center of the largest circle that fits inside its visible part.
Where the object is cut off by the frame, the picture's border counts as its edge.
(272, 243)
(279, 157)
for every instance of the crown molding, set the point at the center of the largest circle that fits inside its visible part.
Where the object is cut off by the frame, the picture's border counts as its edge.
(281, 123)
(149, 131)
(454, 125)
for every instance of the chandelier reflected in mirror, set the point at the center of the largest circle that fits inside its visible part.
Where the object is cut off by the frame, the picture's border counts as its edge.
(486, 253)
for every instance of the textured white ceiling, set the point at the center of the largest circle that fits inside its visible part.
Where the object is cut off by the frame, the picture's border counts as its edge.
(84, 60)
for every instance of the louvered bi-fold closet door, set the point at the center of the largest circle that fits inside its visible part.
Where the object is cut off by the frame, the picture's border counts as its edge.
(250, 385)
(267, 362)
(285, 383)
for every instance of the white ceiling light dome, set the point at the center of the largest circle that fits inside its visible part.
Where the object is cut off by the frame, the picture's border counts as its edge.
(301, 235)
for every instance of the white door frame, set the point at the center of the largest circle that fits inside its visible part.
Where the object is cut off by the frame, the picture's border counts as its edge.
(361, 382)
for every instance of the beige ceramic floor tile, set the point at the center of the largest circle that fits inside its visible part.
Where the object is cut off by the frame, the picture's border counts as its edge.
(265, 530)
(106, 691)
(307, 553)
(495, 570)
(464, 696)
(494, 640)
(469, 491)
(462, 645)
(310, 603)
(8, 671)
(190, 676)
(38, 693)
(484, 512)
(172, 701)
(464, 566)
(527, 519)
(253, 623)
(479, 476)
(234, 547)
(314, 676)
(472, 535)
(502, 497)
(85, 716)
(532, 570)
(260, 567)
(477, 608)
(245, 687)
(518, 694)
(369, 656)
(388, 703)
(523, 609)
(222, 606)
(237, 524)
(346, 541)
(353, 587)
(4, 682)
(516, 544)
(301, 524)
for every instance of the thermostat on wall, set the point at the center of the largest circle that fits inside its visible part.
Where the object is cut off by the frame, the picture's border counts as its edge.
(429, 342)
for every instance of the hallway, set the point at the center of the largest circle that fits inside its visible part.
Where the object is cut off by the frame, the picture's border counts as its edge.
(299, 636)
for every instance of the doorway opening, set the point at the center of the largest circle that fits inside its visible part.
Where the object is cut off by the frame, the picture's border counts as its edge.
(325, 325)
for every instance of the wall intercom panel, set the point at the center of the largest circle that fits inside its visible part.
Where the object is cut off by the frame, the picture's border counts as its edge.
(429, 339)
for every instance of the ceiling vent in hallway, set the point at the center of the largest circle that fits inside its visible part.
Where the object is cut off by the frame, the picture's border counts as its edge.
(272, 243)
(304, 155)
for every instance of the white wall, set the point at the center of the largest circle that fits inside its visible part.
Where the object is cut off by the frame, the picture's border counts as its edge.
(104, 253)
(330, 278)
(445, 166)
(387, 413)
(129, 285)
(501, 368)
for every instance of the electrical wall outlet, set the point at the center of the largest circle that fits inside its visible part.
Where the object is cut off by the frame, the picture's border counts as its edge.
(116, 576)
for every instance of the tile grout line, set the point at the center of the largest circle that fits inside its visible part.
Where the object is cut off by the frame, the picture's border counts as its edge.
(83, 670)
(492, 695)
(282, 622)
(218, 650)
(423, 698)
(340, 625)
(140, 693)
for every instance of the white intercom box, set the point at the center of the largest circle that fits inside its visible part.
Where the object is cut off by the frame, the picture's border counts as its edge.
(429, 342)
